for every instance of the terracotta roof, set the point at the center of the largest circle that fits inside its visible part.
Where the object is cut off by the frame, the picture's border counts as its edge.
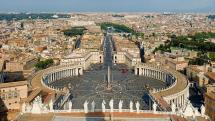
(194, 67)
(211, 95)
(211, 75)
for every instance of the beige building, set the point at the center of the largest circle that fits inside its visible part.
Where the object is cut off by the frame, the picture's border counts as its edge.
(91, 42)
(126, 51)
(177, 64)
(25, 63)
(11, 95)
(82, 57)
(210, 88)
(1, 71)
(210, 105)
(89, 51)
(211, 77)
(196, 74)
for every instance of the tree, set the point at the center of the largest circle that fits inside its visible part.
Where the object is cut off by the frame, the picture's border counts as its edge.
(44, 64)
(212, 56)
(74, 31)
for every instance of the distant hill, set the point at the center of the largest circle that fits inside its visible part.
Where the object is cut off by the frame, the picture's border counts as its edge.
(21, 16)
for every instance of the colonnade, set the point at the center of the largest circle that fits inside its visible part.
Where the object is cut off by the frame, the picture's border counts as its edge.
(63, 73)
(160, 75)
(180, 98)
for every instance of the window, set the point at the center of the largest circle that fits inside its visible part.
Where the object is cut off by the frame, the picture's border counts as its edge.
(10, 95)
(3, 96)
(16, 94)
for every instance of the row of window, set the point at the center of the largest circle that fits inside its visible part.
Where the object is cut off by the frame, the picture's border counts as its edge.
(8, 104)
(9, 95)
(9, 90)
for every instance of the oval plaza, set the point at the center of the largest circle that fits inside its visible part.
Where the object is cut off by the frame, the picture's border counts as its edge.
(110, 79)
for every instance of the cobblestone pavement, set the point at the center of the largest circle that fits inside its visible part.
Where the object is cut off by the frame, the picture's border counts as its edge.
(92, 86)
(125, 86)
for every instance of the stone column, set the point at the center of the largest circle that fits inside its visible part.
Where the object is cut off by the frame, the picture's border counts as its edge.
(58, 75)
(76, 69)
(64, 74)
(61, 74)
(135, 71)
(55, 75)
(81, 71)
(67, 73)
(179, 101)
(140, 71)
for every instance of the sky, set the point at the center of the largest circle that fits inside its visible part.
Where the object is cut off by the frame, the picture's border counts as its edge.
(107, 6)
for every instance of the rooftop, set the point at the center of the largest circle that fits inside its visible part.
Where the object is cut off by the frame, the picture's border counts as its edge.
(13, 84)
(211, 75)
(211, 95)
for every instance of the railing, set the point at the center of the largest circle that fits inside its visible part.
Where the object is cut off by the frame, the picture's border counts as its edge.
(109, 110)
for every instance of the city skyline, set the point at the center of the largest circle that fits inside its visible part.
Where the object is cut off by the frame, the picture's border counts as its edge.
(203, 6)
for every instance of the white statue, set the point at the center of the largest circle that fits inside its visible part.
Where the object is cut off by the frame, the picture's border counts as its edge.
(103, 105)
(196, 112)
(131, 106)
(51, 106)
(37, 105)
(138, 106)
(202, 110)
(154, 107)
(93, 105)
(86, 106)
(111, 105)
(120, 105)
(173, 108)
(70, 106)
(28, 108)
(180, 111)
(24, 108)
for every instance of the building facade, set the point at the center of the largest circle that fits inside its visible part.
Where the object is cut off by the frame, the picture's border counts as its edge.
(210, 105)
(12, 94)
